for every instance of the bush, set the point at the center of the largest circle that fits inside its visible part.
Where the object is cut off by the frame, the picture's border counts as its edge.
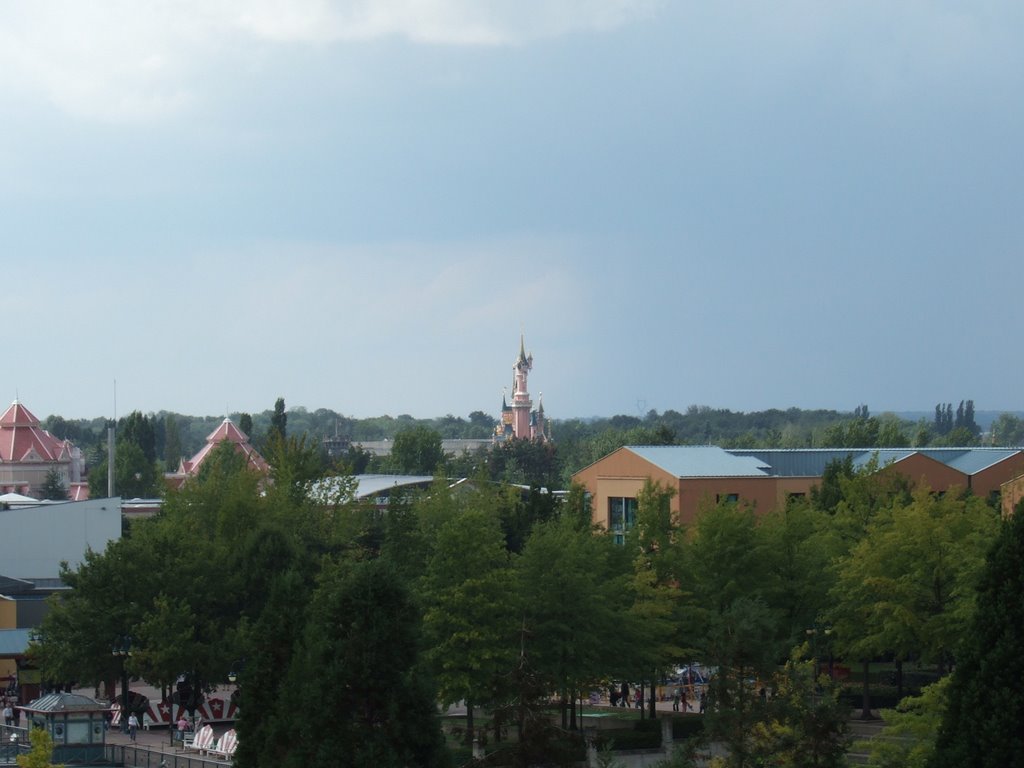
(882, 696)
(630, 738)
(687, 727)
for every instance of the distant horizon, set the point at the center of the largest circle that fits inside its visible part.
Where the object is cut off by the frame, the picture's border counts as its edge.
(366, 206)
(985, 415)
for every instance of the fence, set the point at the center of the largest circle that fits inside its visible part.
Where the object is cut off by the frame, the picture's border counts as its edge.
(127, 755)
(132, 756)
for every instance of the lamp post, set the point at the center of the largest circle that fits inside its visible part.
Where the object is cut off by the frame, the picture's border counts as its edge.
(813, 633)
(236, 672)
(122, 649)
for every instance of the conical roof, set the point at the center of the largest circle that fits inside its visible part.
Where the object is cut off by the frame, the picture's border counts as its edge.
(64, 702)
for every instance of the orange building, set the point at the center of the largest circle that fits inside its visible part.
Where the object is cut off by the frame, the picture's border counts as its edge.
(1012, 494)
(767, 479)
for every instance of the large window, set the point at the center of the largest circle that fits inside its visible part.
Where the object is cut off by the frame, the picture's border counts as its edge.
(621, 516)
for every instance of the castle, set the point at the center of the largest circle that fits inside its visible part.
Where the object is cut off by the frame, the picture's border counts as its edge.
(518, 419)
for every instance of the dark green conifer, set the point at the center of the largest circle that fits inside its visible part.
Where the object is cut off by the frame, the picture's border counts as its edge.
(982, 724)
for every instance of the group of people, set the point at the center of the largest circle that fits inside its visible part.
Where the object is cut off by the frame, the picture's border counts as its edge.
(680, 701)
(619, 696)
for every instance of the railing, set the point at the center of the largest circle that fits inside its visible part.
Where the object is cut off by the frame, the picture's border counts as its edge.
(13, 742)
(140, 757)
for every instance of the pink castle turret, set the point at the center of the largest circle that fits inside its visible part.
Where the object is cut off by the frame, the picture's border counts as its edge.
(518, 419)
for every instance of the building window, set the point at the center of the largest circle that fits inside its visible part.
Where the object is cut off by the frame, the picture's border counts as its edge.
(621, 516)
(727, 497)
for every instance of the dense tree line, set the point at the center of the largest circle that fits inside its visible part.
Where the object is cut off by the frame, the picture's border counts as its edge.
(151, 444)
(508, 600)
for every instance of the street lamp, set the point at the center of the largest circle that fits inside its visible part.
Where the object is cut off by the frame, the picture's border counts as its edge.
(813, 633)
(122, 649)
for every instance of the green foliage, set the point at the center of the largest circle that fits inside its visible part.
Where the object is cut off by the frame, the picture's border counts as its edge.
(573, 603)
(265, 731)
(804, 723)
(53, 487)
(295, 462)
(796, 546)
(907, 586)
(525, 462)
(172, 443)
(137, 429)
(1008, 430)
(134, 475)
(417, 451)
(245, 424)
(908, 739)
(41, 753)
(354, 679)
(981, 726)
(278, 422)
(470, 613)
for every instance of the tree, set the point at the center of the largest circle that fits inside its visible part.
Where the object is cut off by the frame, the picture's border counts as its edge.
(295, 462)
(417, 451)
(798, 552)
(265, 729)
(906, 587)
(41, 754)
(654, 543)
(908, 738)
(134, 475)
(469, 620)
(806, 723)
(1007, 430)
(245, 424)
(575, 594)
(735, 629)
(172, 443)
(981, 725)
(53, 486)
(278, 422)
(137, 429)
(75, 638)
(354, 677)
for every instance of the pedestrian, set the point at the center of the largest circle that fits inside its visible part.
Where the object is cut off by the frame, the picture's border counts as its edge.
(133, 726)
(182, 726)
(683, 701)
(624, 695)
(675, 701)
(8, 714)
(703, 701)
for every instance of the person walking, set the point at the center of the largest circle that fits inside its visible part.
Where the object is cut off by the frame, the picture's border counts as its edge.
(8, 714)
(675, 701)
(133, 726)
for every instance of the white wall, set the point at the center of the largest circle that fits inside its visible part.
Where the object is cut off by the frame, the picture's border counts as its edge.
(34, 540)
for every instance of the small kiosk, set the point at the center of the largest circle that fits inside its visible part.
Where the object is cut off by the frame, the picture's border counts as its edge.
(76, 724)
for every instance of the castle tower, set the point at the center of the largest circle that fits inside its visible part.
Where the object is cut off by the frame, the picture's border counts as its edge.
(518, 419)
(521, 403)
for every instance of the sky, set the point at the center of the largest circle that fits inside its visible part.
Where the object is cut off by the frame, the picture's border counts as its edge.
(207, 205)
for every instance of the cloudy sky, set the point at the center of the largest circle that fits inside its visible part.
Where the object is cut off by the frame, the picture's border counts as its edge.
(361, 204)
